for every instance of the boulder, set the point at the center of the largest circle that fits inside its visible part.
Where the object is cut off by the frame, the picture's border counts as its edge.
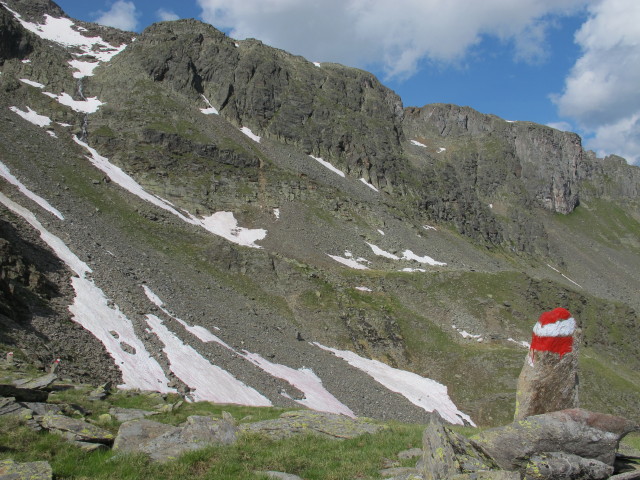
(32, 470)
(548, 381)
(133, 434)
(574, 431)
(565, 466)
(165, 442)
(40, 382)
(23, 394)
(77, 430)
(445, 453)
(304, 422)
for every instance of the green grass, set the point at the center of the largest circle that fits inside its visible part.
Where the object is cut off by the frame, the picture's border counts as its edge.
(311, 457)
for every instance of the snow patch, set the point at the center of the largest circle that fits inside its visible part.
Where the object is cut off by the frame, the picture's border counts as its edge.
(349, 262)
(90, 105)
(317, 64)
(83, 69)
(412, 270)
(9, 177)
(423, 392)
(369, 185)
(222, 224)
(328, 165)
(418, 144)
(63, 124)
(91, 310)
(207, 381)
(52, 134)
(364, 289)
(66, 33)
(382, 253)
(32, 117)
(442, 149)
(409, 255)
(380, 232)
(32, 83)
(210, 110)
(522, 343)
(26, 60)
(466, 334)
(225, 225)
(429, 227)
(316, 397)
(247, 131)
(201, 333)
(276, 213)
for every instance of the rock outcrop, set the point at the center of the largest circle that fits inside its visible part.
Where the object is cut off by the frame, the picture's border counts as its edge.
(577, 432)
(549, 378)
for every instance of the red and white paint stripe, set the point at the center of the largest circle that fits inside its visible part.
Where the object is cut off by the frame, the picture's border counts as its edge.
(554, 332)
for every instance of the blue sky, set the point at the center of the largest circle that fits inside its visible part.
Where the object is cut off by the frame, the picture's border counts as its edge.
(571, 64)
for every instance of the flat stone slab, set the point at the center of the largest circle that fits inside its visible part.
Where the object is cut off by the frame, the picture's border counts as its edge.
(23, 394)
(128, 414)
(31, 471)
(166, 442)
(306, 421)
(74, 429)
(40, 382)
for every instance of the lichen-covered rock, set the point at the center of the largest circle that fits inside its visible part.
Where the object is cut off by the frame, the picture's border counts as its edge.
(575, 431)
(309, 422)
(128, 414)
(565, 466)
(28, 471)
(75, 429)
(166, 442)
(445, 453)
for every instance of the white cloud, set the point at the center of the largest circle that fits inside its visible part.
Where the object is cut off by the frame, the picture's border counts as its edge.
(122, 15)
(601, 92)
(398, 35)
(166, 15)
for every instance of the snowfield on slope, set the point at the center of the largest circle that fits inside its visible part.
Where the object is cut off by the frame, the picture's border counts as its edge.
(9, 177)
(108, 324)
(316, 397)
(223, 224)
(423, 392)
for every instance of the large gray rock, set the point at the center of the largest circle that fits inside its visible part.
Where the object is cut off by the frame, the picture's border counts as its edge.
(165, 442)
(547, 383)
(74, 429)
(133, 434)
(23, 394)
(11, 470)
(565, 466)
(40, 382)
(304, 422)
(575, 431)
(445, 453)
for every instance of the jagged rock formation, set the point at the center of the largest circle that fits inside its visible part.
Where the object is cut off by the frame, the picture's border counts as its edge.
(461, 220)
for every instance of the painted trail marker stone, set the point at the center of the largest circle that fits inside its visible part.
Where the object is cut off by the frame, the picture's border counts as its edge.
(549, 378)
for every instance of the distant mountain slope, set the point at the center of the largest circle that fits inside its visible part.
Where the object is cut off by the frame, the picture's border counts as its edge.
(234, 220)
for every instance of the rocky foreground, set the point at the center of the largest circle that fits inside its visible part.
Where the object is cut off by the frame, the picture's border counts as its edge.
(567, 444)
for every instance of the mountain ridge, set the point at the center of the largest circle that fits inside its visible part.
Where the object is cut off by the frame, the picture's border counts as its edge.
(522, 217)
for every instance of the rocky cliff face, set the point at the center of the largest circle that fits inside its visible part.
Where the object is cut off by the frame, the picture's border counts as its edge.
(328, 111)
